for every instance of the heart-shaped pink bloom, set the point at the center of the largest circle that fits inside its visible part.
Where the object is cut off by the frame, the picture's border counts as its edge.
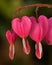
(22, 28)
(11, 37)
(48, 37)
(38, 32)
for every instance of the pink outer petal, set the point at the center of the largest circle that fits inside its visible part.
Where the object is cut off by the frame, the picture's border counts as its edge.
(21, 27)
(50, 22)
(36, 34)
(38, 50)
(33, 20)
(11, 36)
(26, 46)
(16, 26)
(36, 31)
(48, 37)
(43, 20)
(34, 23)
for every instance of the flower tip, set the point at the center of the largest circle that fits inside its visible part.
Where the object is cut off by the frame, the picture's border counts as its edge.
(11, 52)
(38, 52)
(39, 57)
(26, 51)
(11, 57)
(26, 46)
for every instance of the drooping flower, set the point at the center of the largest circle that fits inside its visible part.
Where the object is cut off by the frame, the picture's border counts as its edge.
(38, 32)
(48, 37)
(11, 37)
(22, 28)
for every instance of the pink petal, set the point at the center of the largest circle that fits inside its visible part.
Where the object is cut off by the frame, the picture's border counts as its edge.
(11, 52)
(43, 20)
(48, 37)
(34, 23)
(26, 46)
(11, 36)
(36, 33)
(22, 27)
(50, 22)
(33, 20)
(38, 50)
(16, 26)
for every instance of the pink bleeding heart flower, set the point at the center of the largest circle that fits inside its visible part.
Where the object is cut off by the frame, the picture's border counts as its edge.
(48, 37)
(11, 37)
(22, 28)
(37, 33)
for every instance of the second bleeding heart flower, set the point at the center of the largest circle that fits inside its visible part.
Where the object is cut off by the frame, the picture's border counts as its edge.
(22, 28)
(38, 32)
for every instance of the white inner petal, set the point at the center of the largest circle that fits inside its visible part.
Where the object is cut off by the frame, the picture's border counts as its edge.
(40, 48)
(24, 44)
(35, 46)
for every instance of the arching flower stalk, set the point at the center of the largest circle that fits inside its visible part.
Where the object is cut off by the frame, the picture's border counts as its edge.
(22, 28)
(11, 37)
(30, 6)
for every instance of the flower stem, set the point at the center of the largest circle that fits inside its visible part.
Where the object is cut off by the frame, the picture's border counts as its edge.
(36, 11)
(30, 6)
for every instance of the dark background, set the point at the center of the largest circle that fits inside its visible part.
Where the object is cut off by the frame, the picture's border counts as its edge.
(7, 8)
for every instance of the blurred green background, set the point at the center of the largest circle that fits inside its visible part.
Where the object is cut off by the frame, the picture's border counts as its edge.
(7, 8)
